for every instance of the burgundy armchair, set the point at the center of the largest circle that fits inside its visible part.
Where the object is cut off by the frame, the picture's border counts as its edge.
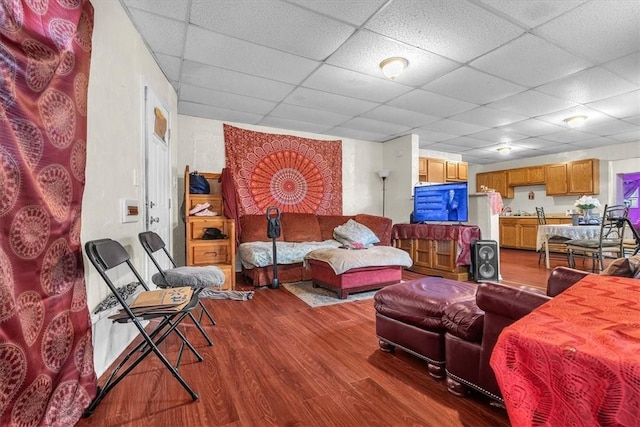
(472, 329)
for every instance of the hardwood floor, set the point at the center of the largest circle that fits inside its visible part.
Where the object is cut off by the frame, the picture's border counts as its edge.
(276, 361)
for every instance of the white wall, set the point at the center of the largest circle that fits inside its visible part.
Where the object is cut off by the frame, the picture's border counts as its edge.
(626, 155)
(120, 66)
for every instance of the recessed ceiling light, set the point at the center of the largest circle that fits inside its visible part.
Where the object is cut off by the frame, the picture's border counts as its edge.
(505, 149)
(392, 67)
(575, 121)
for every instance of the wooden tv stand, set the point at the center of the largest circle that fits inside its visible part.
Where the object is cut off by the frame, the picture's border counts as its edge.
(437, 249)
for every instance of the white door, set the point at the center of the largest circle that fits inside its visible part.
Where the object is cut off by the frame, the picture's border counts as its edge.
(157, 175)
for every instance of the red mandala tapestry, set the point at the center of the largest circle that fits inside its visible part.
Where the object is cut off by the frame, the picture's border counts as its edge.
(295, 174)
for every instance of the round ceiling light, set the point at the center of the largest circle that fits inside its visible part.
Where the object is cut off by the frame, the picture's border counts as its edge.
(393, 67)
(575, 121)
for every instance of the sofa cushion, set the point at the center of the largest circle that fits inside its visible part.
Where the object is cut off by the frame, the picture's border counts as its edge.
(380, 225)
(300, 227)
(464, 320)
(253, 228)
(354, 234)
(329, 222)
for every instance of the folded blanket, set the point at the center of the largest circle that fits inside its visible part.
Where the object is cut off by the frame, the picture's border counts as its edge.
(190, 276)
(342, 260)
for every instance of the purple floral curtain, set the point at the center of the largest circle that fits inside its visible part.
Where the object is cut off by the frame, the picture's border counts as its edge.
(46, 354)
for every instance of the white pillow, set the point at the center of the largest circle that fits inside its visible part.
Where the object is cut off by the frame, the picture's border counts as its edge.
(354, 234)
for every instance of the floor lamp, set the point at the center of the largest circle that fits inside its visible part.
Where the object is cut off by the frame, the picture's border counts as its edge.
(383, 174)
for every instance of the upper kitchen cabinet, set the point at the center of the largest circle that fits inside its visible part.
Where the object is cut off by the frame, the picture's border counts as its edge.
(573, 178)
(496, 180)
(456, 171)
(440, 170)
(531, 175)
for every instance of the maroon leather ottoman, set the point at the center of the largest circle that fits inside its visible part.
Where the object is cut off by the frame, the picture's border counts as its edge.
(409, 315)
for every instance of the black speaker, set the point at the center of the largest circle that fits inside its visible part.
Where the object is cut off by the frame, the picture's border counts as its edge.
(484, 260)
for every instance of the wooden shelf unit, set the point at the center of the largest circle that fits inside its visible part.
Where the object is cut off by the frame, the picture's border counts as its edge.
(220, 253)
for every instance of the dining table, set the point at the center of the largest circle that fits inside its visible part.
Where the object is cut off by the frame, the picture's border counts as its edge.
(563, 230)
(573, 361)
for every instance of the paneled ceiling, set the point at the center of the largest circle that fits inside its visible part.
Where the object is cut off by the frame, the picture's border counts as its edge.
(481, 73)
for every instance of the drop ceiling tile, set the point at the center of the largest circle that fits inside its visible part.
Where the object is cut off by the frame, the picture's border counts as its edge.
(399, 116)
(431, 103)
(453, 29)
(554, 149)
(532, 13)
(498, 135)
(447, 148)
(453, 127)
(567, 136)
(468, 142)
(471, 85)
(633, 119)
(170, 66)
(226, 100)
(533, 127)
(255, 60)
(177, 10)
(614, 33)
(632, 136)
(357, 134)
(296, 30)
(207, 76)
(353, 84)
(587, 86)
(375, 126)
(288, 124)
(309, 115)
(365, 50)
(485, 153)
(620, 106)
(353, 11)
(611, 127)
(163, 35)
(488, 117)
(536, 144)
(328, 101)
(594, 143)
(530, 61)
(558, 117)
(627, 67)
(222, 114)
(531, 103)
(430, 137)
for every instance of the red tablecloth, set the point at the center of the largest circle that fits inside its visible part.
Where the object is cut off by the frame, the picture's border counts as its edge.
(575, 361)
(464, 235)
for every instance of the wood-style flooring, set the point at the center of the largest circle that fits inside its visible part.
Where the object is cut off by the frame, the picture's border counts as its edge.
(278, 362)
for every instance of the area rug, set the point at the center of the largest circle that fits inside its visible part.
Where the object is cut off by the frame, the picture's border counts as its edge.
(318, 297)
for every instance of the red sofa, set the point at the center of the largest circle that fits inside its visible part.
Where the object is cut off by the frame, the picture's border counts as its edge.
(302, 227)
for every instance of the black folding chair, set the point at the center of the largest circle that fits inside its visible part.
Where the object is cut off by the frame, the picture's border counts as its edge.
(153, 244)
(106, 254)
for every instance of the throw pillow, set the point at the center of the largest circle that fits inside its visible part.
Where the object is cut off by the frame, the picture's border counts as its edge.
(354, 234)
(619, 267)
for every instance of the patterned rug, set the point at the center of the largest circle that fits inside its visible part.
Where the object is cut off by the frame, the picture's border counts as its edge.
(318, 297)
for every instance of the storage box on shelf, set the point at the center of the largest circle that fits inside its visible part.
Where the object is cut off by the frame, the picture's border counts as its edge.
(220, 252)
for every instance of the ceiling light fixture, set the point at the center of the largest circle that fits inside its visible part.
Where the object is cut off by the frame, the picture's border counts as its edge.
(505, 149)
(575, 121)
(393, 67)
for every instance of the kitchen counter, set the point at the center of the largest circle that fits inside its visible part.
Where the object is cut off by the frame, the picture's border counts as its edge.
(521, 232)
(549, 215)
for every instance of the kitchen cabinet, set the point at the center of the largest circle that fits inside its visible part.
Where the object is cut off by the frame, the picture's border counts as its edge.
(573, 178)
(496, 180)
(221, 252)
(532, 175)
(431, 170)
(456, 171)
(522, 232)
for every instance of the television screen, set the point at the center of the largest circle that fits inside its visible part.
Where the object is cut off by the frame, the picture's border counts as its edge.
(441, 202)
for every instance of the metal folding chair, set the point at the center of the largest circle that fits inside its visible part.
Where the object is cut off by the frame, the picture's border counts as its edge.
(557, 244)
(105, 255)
(153, 244)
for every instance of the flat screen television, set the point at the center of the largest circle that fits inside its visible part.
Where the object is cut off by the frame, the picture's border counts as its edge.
(441, 202)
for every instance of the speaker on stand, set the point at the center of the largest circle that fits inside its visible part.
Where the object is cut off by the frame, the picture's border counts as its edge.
(484, 261)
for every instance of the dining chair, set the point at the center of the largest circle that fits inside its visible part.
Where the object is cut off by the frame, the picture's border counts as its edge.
(198, 278)
(557, 244)
(609, 242)
(107, 255)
